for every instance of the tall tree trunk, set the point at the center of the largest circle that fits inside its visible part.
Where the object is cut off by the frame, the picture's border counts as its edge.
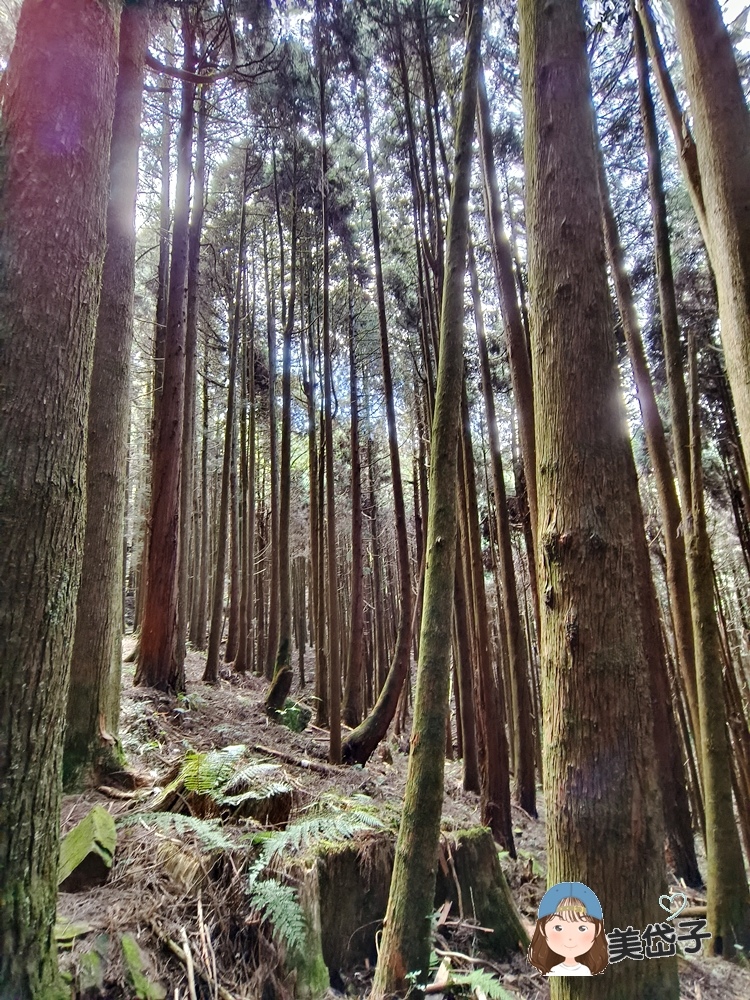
(353, 690)
(361, 743)
(669, 506)
(308, 376)
(489, 700)
(58, 101)
(405, 946)
(191, 362)
(283, 675)
(94, 694)
(157, 661)
(729, 911)
(597, 714)
(722, 134)
(198, 618)
(515, 334)
(726, 880)
(211, 673)
(332, 648)
(523, 721)
(273, 556)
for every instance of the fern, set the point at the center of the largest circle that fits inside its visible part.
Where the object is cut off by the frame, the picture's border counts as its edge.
(208, 832)
(247, 777)
(204, 772)
(480, 979)
(264, 792)
(278, 904)
(298, 836)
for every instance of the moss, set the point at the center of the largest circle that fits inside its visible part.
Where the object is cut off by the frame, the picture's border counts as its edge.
(484, 891)
(309, 964)
(86, 852)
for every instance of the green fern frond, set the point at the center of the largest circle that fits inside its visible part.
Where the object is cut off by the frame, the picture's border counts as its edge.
(263, 792)
(250, 776)
(208, 832)
(278, 904)
(482, 980)
(304, 833)
(203, 772)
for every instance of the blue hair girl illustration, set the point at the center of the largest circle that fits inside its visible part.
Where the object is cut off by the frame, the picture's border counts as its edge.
(569, 938)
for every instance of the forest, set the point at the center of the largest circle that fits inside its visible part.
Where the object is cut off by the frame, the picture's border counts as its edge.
(374, 499)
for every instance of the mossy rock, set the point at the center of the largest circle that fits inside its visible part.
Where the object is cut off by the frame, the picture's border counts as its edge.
(294, 715)
(87, 851)
(484, 896)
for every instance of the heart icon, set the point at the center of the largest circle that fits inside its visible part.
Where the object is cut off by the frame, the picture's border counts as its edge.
(673, 899)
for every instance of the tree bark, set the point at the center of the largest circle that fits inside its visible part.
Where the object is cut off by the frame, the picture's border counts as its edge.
(211, 673)
(523, 727)
(191, 360)
(352, 713)
(157, 661)
(722, 134)
(283, 675)
(57, 108)
(94, 694)
(726, 880)
(599, 778)
(405, 946)
(360, 744)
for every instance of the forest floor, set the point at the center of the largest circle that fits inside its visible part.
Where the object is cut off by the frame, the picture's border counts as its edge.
(205, 904)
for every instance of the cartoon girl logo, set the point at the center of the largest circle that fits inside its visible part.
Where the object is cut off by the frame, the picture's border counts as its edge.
(569, 938)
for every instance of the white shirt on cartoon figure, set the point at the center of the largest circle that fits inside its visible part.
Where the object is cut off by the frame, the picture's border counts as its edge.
(569, 970)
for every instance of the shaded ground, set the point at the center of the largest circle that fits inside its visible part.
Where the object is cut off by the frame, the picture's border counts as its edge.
(157, 900)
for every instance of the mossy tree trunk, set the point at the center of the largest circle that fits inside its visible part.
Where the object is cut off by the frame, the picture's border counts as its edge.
(94, 694)
(405, 947)
(57, 108)
(599, 776)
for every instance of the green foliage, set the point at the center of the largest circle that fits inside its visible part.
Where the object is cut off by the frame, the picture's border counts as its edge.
(249, 777)
(294, 716)
(332, 824)
(204, 772)
(479, 979)
(208, 832)
(277, 903)
(144, 988)
(330, 820)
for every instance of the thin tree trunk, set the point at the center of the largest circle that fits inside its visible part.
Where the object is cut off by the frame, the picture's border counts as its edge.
(191, 363)
(211, 672)
(405, 946)
(352, 712)
(523, 725)
(283, 675)
(360, 744)
(722, 133)
(726, 880)
(199, 620)
(334, 671)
